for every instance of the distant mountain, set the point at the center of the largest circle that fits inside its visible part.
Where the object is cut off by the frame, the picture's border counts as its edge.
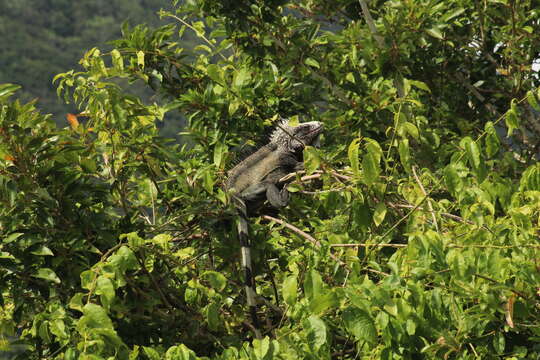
(41, 38)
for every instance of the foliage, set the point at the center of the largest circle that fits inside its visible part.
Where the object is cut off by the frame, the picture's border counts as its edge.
(414, 235)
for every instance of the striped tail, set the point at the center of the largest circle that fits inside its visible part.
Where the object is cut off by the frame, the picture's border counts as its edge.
(249, 281)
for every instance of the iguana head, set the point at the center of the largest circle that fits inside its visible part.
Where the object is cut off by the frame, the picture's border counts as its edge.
(295, 138)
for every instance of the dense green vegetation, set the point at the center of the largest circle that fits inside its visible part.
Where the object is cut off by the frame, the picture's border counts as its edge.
(413, 233)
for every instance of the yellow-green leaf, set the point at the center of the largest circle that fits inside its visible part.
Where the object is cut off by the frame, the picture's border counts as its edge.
(353, 157)
(379, 214)
(140, 58)
(289, 289)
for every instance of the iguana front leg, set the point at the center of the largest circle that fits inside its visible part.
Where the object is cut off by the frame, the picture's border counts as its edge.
(276, 197)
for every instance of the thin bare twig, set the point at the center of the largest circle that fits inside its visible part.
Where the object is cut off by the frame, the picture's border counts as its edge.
(371, 23)
(448, 215)
(201, 35)
(316, 175)
(306, 236)
(519, 293)
(318, 244)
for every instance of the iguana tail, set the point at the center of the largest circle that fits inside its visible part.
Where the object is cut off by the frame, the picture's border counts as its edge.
(249, 281)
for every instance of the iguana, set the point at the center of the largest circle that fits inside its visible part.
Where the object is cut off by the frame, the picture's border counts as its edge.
(256, 179)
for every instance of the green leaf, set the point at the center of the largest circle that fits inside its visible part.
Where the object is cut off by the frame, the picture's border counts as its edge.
(105, 288)
(233, 107)
(140, 59)
(373, 147)
(411, 327)
(124, 259)
(371, 169)
(313, 284)
(161, 240)
(452, 14)
(411, 129)
(71, 354)
(360, 324)
(420, 85)
(212, 316)
(528, 29)
(42, 251)
(95, 317)
(47, 274)
(88, 279)
(289, 289)
(530, 179)
(180, 352)
(436, 33)
(370, 162)
(219, 151)
(353, 157)
(531, 98)
(6, 90)
(261, 348)
(58, 328)
(214, 72)
(217, 280)
(88, 165)
(404, 154)
(492, 140)
(499, 343)
(312, 62)
(134, 240)
(151, 353)
(241, 77)
(511, 119)
(118, 62)
(472, 151)
(12, 237)
(312, 160)
(379, 214)
(76, 302)
(43, 332)
(452, 179)
(320, 304)
(316, 332)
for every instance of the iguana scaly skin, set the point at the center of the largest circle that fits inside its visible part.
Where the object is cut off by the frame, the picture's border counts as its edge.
(256, 179)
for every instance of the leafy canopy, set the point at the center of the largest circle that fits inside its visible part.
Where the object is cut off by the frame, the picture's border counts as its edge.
(414, 233)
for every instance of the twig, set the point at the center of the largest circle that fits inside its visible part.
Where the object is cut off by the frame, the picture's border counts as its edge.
(154, 282)
(306, 236)
(433, 217)
(316, 175)
(371, 23)
(318, 244)
(201, 35)
(273, 282)
(448, 215)
(481, 246)
(476, 93)
(518, 293)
